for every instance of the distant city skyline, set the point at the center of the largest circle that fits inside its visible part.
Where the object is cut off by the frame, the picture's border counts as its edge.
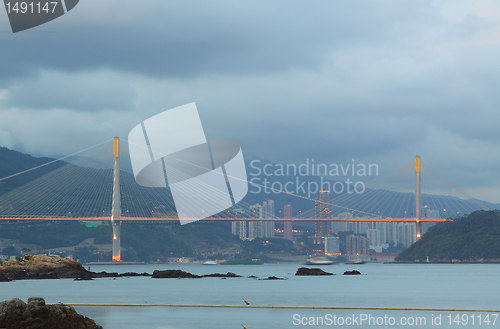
(362, 237)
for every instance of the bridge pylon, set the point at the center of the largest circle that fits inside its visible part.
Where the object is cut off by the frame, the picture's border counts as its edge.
(116, 208)
(418, 198)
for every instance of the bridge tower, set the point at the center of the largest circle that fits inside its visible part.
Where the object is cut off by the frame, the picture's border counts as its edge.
(418, 198)
(116, 208)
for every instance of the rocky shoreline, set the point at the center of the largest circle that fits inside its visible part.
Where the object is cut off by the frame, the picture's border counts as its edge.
(178, 274)
(453, 261)
(16, 314)
(37, 267)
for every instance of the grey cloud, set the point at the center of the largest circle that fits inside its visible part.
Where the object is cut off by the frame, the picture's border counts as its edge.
(169, 38)
(83, 91)
(376, 81)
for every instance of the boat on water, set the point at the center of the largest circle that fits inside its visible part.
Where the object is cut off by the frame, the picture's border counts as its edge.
(210, 262)
(241, 262)
(356, 262)
(319, 260)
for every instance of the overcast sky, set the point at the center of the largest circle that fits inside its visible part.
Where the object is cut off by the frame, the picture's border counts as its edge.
(377, 81)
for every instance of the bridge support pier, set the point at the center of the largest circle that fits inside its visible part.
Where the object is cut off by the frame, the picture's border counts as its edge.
(116, 225)
(116, 208)
(418, 198)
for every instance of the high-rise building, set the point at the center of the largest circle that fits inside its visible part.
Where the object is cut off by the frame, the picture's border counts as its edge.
(239, 227)
(360, 227)
(287, 227)
(253, 229)
(269, 208)
(356, 245)
(406, 234)
(268, 226)
(332, 245)
(374, 237)
(383, 228)
(261, 229)
(341, 226)
(322, 229)
(392, 232)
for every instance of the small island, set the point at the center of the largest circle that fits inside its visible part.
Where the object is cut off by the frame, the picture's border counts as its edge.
(40, 267)
(474, 238)
(34, 267)
(311, 271)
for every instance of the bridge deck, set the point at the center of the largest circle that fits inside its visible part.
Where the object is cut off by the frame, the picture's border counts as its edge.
(233, 219)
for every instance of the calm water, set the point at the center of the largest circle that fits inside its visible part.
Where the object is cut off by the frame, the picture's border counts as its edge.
(420, 286)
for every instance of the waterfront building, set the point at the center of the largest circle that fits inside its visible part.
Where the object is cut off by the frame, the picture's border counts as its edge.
(356, 245)
(332, 245)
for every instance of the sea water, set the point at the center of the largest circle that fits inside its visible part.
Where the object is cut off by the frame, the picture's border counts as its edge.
(440, 286)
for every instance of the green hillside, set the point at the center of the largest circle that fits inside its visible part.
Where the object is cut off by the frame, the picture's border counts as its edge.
(141, 241)
(12, 162)
(475, 237)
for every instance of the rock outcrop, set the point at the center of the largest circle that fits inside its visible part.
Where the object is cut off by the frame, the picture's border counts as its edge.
(178, 274)
(272, 278)
(41, 267)
(220, 275)
(16, 314)
(173, 274)
(51, 267)
(353, 272)
(311, 271)
(4, 277)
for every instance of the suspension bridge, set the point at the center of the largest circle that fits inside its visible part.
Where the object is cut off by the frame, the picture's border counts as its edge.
(98, 184)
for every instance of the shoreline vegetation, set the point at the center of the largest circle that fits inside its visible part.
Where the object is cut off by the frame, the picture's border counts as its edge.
(471, 239)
